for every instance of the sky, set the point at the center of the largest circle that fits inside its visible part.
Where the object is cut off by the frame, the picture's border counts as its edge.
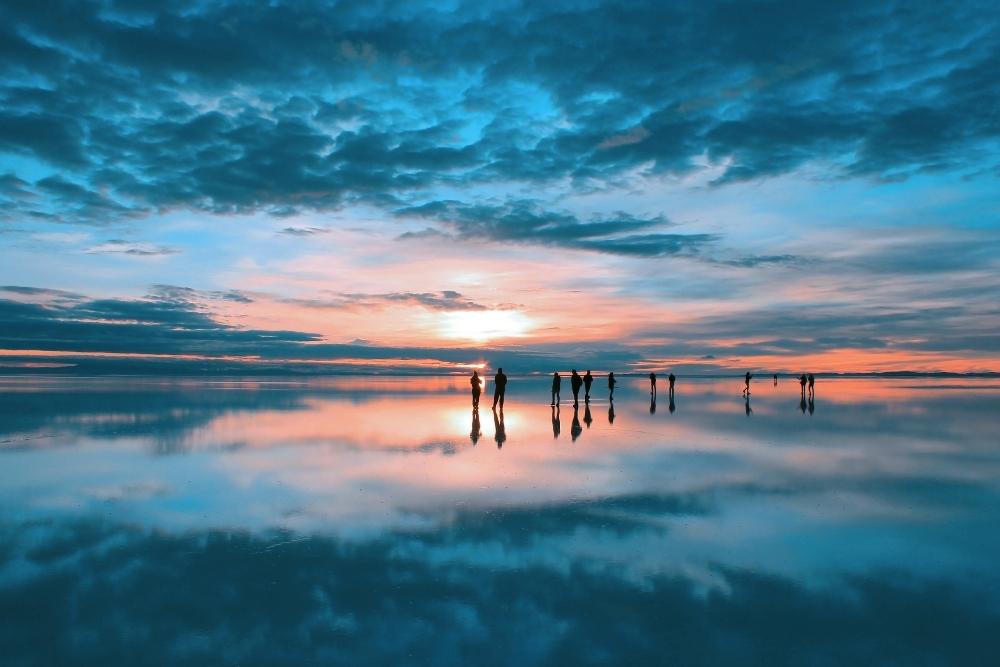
(430, 187)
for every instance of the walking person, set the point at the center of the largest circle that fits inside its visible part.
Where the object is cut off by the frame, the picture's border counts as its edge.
(746, 389)
(812, 386)
(802, 383)
(652, 383)
(611, 385)
(556, 385)
(477, 389)
(499, 388)
(575, 381)
(588, 380)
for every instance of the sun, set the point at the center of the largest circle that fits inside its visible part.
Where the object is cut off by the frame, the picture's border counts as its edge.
(484, 325)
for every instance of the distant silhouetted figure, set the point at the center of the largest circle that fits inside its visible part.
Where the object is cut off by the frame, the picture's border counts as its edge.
(575, 382)
(588, 380)
(477, 389)
(802, 383)
(556, 425)
(587, 419)
(747, 404)
(775, 379)
(611, 411)
(556, 386)
(652, 383)
(575, 429)
(746, 389)
(477, 430)
(499, 388)
(670, 383)
(670, 403)
(812, 385)
(652, 403)
(499, 432)
(611, 385)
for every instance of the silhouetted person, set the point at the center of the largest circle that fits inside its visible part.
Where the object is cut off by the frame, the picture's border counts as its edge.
(477, 430)
(812, 405)
(747, 403)
(499, 434)
(747, 377)
(652, 383)
(611, 411)
(611, 385)
(802, 383)
(670, 383)
(775, 379)
(652, 403)
(575, 429)
(556, 386)
(587, 419)
(812, 385)
(556, 425)
(575, 382)
(477, 389)
(670, 403)
(588, 380)
(499, 388)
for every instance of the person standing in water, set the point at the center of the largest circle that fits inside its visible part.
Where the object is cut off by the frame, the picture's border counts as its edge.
(556, 386)
(611, 385)
(775, 379)
(812, 386)
(802, 383)
(499, 388)
(652, 383)
(671, 380)
(746, 389)
(588, 380)
(477, 389)
(574, 382)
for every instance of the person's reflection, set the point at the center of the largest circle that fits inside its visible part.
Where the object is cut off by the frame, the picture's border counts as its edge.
(556, 426)
(587, 419)
(670, 404)
(652, 403)
(747, 404)
(575, 429)
(611, 412)
(802, 403)
(812, 405)
(498, 428)
(477, 431)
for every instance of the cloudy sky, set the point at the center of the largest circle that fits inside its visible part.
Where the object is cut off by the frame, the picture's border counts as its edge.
(424, 186)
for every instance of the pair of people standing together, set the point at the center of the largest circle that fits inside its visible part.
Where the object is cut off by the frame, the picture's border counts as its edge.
(499, 388)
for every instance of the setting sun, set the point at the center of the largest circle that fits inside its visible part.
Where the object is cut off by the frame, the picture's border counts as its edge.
(483, 325)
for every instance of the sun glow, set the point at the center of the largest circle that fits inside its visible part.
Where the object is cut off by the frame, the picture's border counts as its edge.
(483, 325)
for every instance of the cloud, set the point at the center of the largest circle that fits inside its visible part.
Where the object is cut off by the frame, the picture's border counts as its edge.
(445, 300)
(281, 598)
(304, 231)
(525, 222)
(227, 108)
(122, 247)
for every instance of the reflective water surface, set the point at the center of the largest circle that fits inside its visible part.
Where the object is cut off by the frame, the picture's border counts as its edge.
(353, 520)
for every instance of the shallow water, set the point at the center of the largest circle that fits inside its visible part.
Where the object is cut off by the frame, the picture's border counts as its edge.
(352, 520)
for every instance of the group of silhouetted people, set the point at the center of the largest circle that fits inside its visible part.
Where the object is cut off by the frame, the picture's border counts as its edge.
(585, 382)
